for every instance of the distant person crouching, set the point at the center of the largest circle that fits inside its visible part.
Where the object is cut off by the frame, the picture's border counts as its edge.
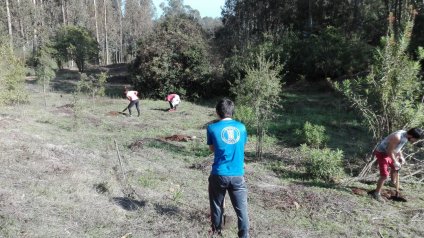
(174, 101)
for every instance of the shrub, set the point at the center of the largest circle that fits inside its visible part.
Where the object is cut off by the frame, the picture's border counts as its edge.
(92, 85)
(246, 115)
(174, 58)
(312, 135)
(390, 96)
(45, 69)
(323, 164)
(259, 92)
(76, 43)
(12, 77)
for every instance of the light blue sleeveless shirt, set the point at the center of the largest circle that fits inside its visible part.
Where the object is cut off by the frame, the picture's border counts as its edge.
(383, 146)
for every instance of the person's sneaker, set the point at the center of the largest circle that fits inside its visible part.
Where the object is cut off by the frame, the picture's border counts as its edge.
(377, 196)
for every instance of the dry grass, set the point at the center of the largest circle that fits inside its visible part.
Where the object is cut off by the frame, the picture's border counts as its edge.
(61, 177)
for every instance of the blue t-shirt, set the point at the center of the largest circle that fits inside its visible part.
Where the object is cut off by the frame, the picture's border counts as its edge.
(228, 138)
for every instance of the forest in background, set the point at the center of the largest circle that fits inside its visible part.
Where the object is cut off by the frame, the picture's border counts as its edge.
(366, 42)
(314, 39)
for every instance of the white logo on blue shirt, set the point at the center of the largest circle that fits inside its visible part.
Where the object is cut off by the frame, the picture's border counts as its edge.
(230, 135)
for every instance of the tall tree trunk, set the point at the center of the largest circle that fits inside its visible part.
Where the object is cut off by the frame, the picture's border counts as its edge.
(21, 30)
(310, 20)
(34, 36)
(63, 12)
(9, 24)
(95, 20)
(106, 41)
(121, 42)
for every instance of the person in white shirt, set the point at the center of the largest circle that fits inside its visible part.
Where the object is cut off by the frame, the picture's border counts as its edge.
(174, 101)
(132, 96)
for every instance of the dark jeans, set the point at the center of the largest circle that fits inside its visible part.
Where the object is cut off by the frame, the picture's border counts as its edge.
(172, 107)
(132, 103)
(236, 187)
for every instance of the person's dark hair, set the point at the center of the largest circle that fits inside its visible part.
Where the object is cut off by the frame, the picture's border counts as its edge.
(417, 133)
(225, 108)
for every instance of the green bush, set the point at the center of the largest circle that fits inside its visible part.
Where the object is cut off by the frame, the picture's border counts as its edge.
(246, 115)
(312, 135)
(12, 77)
(323, 164)
(76, 43)
(390, 96)
(173, 58)
(259, 91)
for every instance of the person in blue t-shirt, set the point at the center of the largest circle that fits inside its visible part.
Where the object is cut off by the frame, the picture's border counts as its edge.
(227, 138)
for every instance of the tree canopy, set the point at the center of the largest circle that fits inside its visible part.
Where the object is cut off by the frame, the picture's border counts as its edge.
(77, 44)
(173, 58)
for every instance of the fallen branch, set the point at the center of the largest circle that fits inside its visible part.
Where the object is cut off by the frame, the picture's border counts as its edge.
(120, 161)
(414, 173)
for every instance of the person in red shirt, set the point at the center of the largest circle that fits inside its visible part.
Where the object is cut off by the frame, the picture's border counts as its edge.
(132, 96)
(174, 101)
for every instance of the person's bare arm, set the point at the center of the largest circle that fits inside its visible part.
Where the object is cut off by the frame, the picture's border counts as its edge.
(400, 157)
(393, 142)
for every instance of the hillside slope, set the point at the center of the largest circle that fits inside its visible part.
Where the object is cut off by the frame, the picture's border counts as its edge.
(84, 170)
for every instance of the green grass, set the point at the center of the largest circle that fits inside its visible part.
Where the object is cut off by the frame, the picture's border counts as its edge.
(320, 108)
(61, 175)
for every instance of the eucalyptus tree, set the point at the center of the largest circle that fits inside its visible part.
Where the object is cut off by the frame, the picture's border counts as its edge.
(137, 23)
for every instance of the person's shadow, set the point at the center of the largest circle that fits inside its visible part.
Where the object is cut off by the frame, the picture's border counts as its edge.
(160, 109)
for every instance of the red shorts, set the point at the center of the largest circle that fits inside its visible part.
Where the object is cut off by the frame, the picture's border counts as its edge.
(384, 162)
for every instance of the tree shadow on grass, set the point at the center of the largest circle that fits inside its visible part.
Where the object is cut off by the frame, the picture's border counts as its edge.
(128, 203)
(172, 148)
(168, 210)
(289, 174)
(250, 157)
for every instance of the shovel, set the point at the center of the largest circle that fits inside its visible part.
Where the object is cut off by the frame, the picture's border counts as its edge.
(397, 198)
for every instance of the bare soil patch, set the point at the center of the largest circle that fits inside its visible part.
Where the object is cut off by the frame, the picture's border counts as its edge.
(179, 138)
(389, 194)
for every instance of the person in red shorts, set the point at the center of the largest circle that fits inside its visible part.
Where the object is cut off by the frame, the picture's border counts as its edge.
(389, 155)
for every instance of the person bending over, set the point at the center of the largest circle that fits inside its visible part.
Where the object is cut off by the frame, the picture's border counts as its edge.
(174, 101)
(132, 96)
(389, 154)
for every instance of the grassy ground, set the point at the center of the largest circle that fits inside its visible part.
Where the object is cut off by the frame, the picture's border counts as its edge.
(86, 171)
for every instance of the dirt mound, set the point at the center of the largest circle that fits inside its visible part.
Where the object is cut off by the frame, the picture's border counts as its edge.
(359, 191)
(183, 138)
(389, 194)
